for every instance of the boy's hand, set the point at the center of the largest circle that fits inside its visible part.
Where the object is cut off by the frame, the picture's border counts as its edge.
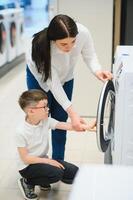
(55, 163)
(92, 125)
(89, 127)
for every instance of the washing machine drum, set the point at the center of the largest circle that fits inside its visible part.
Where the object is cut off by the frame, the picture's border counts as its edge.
(13, 34)
(2, 38)
(105, 116)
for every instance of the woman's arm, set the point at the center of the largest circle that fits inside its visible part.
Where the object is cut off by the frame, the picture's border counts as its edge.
(55, 86)
(61, 97)
(76, 120)
(91, 60)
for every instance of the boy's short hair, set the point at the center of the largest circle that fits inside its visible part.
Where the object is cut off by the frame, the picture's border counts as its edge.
(31, 98)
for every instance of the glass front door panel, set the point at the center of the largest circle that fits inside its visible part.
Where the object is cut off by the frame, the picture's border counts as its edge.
(105, 116)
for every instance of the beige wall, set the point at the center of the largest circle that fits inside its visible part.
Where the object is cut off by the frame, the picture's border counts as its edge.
(97, 15)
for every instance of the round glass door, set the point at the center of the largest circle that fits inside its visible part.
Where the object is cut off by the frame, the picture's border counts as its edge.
(13, 33)
(2, 38)
(105, 116)
(21, 29)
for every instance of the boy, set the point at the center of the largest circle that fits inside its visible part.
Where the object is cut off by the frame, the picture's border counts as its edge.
(32, 143)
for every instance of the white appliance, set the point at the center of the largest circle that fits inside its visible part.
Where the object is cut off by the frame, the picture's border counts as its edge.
(103, 182)
(3, 37)
(12, 34)
(20, 30)
(115, 111)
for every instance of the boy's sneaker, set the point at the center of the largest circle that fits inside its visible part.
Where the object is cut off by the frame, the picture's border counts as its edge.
(27, 190)
(45, 187)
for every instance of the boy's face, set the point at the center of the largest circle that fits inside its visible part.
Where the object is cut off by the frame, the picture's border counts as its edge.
(41, 110)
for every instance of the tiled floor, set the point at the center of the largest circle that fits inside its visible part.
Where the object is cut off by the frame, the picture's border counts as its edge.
(81, 148)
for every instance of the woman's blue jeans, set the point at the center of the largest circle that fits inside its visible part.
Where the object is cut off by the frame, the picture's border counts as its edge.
(56, 111)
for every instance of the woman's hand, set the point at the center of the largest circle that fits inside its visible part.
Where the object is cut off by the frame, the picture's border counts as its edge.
(78, 123)
(103, 75)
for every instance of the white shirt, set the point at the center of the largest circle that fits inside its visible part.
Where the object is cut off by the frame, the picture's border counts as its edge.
(63, 64)
(35, 138)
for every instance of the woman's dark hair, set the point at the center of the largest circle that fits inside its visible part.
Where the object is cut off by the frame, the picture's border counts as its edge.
(60, 27)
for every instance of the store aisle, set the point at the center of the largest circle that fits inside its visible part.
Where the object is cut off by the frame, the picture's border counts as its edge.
(81, 147)
(35, 19)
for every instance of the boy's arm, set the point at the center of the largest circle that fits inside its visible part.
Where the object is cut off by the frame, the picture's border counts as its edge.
(85, 126)
(68, 126)
(28, 159)
(64, 126)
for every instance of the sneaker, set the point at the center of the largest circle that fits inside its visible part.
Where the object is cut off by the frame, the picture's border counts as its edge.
(27, 190)
(45, 187)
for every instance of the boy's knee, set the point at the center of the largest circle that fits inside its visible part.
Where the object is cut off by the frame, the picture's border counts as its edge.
(75, 169)
(73, 172)
(59, 174)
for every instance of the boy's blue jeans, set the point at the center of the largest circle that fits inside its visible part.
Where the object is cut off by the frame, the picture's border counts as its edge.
(56, 111)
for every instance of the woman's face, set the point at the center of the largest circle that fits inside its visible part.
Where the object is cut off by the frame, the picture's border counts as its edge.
(66, 44)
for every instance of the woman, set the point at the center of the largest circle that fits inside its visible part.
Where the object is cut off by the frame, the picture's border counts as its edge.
(50, 64)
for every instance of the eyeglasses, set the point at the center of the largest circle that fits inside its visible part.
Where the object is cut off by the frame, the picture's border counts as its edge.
(46, 108)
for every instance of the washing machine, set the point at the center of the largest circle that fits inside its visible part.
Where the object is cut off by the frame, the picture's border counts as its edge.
(115, 111)
(20, 30)
(12, 34)
(3, 37)
(103, 182)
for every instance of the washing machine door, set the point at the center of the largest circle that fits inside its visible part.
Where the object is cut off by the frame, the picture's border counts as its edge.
(13, 34)
(21, 29)
(105, 116)
(2, 37)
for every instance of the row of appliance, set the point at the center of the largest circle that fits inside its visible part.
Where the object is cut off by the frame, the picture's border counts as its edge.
(11, 34)
(115, 111)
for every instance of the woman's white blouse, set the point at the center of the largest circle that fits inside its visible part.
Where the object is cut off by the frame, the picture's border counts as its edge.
(63, 64)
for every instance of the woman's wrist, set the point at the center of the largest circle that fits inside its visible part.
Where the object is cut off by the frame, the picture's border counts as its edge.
(71, 113)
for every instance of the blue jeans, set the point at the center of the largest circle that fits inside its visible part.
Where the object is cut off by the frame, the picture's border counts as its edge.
(57, 112)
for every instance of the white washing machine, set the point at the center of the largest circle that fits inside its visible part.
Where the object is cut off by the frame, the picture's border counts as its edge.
(12, 34)
(20, 30)
(103, 182)
(3, 37)
(115, 111)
